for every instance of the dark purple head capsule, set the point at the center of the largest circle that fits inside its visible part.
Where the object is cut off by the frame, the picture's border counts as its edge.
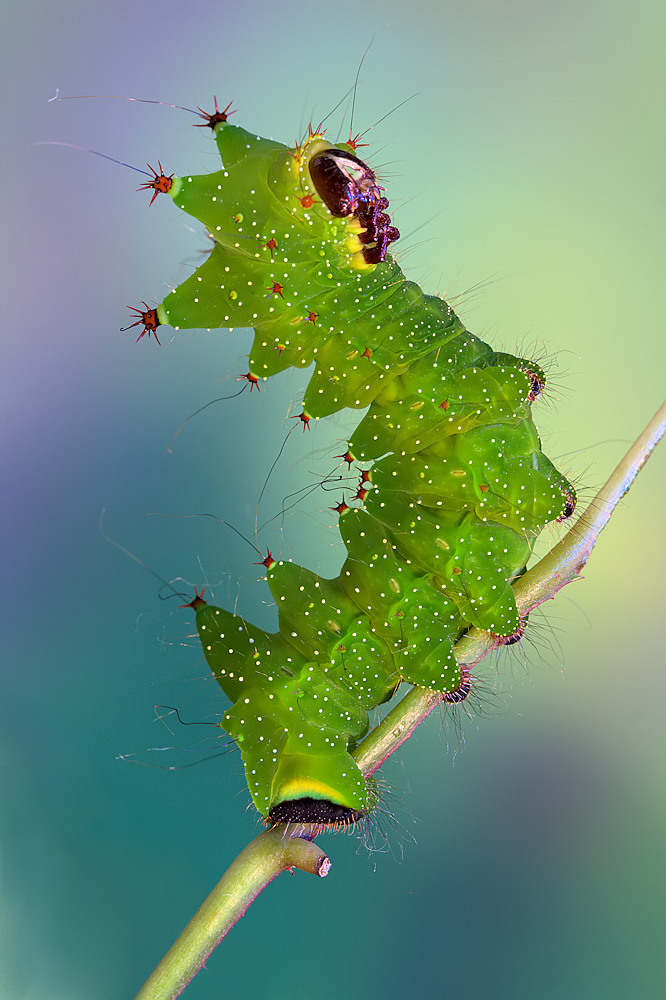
(348, 187)
(341, 180)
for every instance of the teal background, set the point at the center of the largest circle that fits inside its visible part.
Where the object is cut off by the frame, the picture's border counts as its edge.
(527, 178)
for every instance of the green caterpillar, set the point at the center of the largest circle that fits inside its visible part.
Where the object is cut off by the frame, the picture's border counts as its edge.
(453, 488)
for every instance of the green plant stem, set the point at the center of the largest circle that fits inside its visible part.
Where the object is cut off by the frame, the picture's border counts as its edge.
(284, 847)
(269, 854)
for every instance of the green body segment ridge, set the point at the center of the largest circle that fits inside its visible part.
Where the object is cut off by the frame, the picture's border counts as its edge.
(454, 486)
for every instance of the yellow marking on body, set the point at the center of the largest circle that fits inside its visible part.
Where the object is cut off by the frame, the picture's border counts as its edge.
(355, 247)
(311, 146)
(298, 788)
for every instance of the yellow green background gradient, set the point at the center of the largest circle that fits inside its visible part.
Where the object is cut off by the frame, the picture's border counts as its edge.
(527, 180)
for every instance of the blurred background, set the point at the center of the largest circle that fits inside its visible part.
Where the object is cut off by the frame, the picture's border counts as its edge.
(526, 858)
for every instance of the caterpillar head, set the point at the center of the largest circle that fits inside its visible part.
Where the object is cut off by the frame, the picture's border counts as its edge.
(348, 187)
